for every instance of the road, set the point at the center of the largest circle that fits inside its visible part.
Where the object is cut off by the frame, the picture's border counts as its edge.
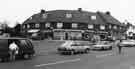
(47, 58)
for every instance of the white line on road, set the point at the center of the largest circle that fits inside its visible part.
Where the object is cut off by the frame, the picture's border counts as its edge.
(104, 55)
(132, 67)
(58, 62)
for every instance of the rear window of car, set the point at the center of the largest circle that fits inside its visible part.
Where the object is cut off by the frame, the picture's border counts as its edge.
(3, 43)
(23, 42)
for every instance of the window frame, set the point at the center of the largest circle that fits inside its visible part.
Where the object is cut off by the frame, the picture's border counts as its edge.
(74, 25)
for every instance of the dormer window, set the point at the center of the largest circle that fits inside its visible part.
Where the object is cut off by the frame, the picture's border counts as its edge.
(59, 25)
(37, 25)
(68, 15)
(93, 17)
(90, 26)
(47, 25)
(44, 15)
(102, 27)
(24, 26)
(74, 25)
(30, 18)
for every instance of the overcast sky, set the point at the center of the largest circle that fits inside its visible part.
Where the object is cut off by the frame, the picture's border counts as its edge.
(20, 10)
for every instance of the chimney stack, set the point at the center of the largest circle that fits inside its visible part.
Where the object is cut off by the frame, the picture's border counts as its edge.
(42, 11)
(108, 13)
(80, 9)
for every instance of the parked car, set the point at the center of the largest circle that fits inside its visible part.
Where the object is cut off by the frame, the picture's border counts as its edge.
(102, 45)
(72, 47)
(26, 48)
(128, 43)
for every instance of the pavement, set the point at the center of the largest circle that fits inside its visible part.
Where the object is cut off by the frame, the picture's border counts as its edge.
(48, 58)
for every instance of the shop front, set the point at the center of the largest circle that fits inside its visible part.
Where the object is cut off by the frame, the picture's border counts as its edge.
(67, 35)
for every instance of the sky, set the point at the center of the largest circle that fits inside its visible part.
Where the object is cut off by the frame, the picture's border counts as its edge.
(14, 11)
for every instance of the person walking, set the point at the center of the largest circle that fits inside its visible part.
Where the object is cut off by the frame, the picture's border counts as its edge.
(13, 51)
(119, 47)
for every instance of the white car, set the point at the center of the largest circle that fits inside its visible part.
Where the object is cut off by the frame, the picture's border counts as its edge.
(128, 43)
(102, 45)
(72, 47)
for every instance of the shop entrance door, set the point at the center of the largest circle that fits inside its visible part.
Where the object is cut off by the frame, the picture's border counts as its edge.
(66, 36)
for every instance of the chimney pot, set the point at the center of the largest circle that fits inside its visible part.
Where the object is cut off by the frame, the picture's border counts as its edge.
(42, 11)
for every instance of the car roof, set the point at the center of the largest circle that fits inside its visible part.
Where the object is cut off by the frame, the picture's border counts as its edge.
(12, 38)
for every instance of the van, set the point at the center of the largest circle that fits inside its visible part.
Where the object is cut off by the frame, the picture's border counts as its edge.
(26, 48)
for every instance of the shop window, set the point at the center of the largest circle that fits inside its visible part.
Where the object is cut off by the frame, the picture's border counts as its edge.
(90, 26)
(68, 15)
(102, 36)
(74, 25)
(44, 15)
(93, 17)
(37, 25)
(28, 26)
(102, 27)
(59, 25)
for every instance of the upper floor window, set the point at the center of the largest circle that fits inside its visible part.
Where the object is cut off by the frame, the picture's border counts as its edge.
(47, 25)
(93, 17)
(28, 26)
(120, 27)
(37, 25)
(68, 15)
(102, 27)
(90, 26)
(24, 26)
(74, 25)
(59, 25)
(110, 26)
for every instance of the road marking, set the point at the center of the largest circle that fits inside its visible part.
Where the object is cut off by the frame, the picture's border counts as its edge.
(104, 55)
(132, 67)
(58, 62)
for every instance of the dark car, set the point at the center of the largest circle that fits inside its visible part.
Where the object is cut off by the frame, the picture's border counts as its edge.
(26, 48)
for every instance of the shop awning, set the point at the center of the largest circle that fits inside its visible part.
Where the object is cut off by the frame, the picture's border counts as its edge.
(33, 30)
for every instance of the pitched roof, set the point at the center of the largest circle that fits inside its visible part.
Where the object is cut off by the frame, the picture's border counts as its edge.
(59, 16)
(109, 19)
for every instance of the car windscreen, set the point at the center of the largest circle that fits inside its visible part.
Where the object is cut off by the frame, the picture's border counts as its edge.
(76, 44)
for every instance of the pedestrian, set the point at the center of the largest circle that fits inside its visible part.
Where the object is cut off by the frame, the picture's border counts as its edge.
(119, 47)
(13, 51)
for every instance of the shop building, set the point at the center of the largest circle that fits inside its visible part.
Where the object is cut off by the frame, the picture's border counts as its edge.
(72, 25)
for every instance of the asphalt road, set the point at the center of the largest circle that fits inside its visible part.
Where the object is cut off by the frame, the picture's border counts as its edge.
(48, 58)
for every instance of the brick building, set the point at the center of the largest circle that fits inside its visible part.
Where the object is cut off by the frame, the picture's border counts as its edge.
(72, 24)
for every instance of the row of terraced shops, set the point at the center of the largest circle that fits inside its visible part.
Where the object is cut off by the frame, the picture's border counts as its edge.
(73, 25)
